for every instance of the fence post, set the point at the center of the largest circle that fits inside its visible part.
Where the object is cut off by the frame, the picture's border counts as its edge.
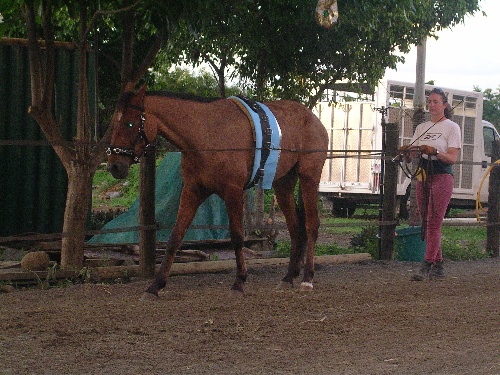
(147, 237)
(390, 187)
(493, 230)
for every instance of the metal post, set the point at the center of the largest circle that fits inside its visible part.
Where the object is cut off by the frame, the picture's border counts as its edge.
(383, 111)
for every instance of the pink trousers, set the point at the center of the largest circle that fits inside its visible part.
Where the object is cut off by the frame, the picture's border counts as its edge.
(439, 188)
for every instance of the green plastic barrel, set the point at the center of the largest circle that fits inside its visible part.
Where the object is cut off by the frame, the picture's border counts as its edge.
(409, 246)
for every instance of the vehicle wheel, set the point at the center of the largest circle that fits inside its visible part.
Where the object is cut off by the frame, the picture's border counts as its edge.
(343, 207)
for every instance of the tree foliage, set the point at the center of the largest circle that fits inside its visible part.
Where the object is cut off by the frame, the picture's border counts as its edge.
(274, 47)
(279, 51)
(491, 107)
(184, 80)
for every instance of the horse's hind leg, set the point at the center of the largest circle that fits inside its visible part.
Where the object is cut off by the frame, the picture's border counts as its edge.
(284, 189)
(188, 206)
(309, 193)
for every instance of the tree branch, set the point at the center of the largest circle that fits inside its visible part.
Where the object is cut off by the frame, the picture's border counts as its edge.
(48, 30)
(149, 58)
(34, 53)
(99, 13)
(127, 47)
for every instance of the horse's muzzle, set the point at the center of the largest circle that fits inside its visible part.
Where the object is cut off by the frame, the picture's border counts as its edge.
(118, 170)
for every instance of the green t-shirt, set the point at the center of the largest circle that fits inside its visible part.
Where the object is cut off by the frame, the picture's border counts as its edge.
(436, 167)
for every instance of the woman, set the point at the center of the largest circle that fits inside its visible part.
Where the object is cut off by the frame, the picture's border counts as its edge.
(438, 141)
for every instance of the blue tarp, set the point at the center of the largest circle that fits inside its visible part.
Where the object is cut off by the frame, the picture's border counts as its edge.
(168, 190)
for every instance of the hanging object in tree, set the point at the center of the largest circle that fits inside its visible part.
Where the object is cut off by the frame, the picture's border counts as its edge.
(327, 13)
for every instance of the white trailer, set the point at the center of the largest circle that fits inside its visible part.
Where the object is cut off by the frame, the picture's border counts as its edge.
(351, 174)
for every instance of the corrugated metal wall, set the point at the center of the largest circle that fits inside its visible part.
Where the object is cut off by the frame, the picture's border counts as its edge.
(33, 182)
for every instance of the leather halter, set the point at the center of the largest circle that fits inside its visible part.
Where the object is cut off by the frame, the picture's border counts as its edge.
(141, 136)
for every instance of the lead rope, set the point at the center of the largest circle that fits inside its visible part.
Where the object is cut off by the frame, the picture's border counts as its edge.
(426, 196)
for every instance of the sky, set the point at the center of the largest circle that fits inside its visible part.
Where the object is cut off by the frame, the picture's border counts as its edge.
(465, 56)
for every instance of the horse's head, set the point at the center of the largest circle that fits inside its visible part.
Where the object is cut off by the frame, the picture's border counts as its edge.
(129, 139)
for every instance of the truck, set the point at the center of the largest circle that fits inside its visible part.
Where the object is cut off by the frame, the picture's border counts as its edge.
(352, 172)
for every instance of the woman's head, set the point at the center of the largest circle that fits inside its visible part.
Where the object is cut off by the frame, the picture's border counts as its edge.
(438, 104)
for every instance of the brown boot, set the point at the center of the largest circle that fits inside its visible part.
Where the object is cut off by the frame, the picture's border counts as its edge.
(423, 273)
(436, 271)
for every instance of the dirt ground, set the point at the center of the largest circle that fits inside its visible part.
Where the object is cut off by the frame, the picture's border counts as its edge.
(364, 318)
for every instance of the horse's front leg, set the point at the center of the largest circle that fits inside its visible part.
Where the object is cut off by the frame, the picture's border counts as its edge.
(189, 203)
(234, 207)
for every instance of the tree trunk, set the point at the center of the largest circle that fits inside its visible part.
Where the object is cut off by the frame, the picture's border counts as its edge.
(75, 214)
(80, 161)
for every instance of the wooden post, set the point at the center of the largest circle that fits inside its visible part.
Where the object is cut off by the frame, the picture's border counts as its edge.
(493, 230)
(147, 237)
(390, 188)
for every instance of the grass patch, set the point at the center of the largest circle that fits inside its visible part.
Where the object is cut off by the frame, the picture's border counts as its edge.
(343, 226)
(128, 188)
(464, 243)
(283, 249)
(458, 243)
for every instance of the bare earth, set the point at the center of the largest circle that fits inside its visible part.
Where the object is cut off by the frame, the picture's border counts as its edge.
(360, 319)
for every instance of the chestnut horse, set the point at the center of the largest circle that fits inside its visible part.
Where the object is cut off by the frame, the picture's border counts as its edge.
(217, 144)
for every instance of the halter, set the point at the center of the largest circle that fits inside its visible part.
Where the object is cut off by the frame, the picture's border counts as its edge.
(141, 136)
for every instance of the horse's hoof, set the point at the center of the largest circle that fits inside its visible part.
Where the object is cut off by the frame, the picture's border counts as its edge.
(284, 285)
(237, 288)
(236, 293)
(149, 297)
(306, 286)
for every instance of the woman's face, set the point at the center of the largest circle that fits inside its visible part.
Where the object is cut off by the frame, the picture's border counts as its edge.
(436, 104)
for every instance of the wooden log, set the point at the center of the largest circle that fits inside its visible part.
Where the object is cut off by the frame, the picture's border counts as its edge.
(226, 265)
(10, 264)
(14, 275)
(179, 268)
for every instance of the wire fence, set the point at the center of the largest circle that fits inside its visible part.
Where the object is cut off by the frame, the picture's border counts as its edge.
(331, 154)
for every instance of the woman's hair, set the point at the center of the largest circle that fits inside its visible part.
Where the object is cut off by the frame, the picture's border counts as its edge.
(448, 111)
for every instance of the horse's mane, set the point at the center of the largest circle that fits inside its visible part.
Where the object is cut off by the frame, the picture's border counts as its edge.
(183, 96)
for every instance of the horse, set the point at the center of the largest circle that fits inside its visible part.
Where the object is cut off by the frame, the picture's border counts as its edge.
(216, 141)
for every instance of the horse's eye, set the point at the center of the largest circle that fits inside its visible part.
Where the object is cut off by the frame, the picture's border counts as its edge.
(130, 124)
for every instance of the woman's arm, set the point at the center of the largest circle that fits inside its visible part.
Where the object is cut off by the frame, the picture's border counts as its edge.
(450, 156)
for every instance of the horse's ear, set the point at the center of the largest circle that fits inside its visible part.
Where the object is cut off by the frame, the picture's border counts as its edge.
(129, 87)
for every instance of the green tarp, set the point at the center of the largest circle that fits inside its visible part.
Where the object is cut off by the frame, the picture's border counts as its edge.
(168, 190)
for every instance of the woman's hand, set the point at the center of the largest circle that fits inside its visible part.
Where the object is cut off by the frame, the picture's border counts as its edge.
(429, 150)
(407, 152)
